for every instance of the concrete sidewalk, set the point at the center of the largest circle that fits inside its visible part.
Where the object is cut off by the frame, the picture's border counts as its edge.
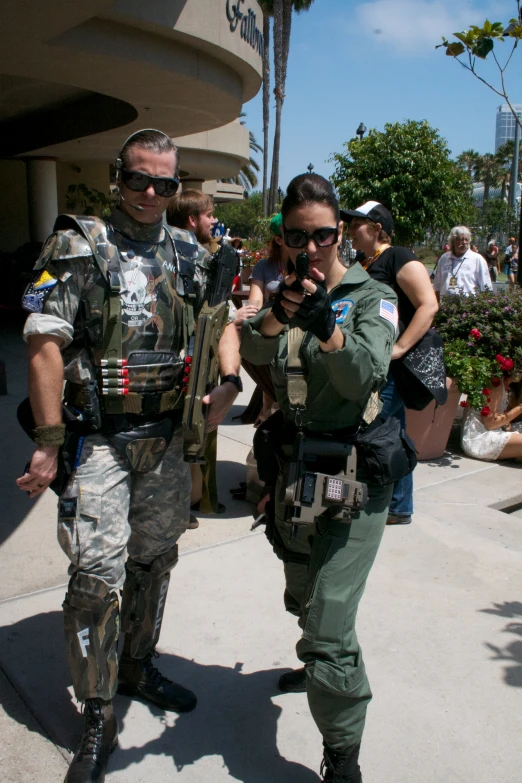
(440, 624)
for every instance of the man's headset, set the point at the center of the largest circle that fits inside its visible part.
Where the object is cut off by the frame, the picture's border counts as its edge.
(119, 165)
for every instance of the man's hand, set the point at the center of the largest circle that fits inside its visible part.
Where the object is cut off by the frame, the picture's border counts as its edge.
(244, 313)
(42, 470)
(220, 401)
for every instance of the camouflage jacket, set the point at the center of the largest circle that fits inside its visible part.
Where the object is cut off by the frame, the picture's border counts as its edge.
(70, 289)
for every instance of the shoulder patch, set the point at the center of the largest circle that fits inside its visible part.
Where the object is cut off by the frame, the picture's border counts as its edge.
(341, 309)
(37, 292)
(389, 312)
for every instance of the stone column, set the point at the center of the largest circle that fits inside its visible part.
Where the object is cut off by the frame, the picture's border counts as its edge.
(42, 194)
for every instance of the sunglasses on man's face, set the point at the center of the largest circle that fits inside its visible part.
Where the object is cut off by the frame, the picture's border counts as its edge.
(322, 237)
(140, 182)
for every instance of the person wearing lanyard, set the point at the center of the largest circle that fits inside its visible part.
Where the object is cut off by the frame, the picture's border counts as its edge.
(329, 345)
(461, 271)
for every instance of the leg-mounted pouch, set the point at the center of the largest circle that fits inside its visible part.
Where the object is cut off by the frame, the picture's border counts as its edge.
(144, 445)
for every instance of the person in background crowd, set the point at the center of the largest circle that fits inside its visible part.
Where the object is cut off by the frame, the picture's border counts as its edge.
(492, 260)
(513, 271)
(264, 282)
(474, 247)
(269, 272)
(346, 324)
(193, 210)
(508, 252)
(371, 229)
(461, 270)
(495, 435)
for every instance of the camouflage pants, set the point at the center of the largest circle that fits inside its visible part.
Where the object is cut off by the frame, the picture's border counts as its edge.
(115, 509)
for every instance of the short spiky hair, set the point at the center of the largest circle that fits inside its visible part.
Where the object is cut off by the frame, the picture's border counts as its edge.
(153, 140)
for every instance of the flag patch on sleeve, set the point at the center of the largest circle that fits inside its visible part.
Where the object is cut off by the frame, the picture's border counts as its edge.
(389, 312)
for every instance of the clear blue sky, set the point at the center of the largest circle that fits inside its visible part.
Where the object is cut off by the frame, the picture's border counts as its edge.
(374, 61)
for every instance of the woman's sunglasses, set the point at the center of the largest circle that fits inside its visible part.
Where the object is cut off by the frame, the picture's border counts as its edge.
(139, 182)
(297, 238)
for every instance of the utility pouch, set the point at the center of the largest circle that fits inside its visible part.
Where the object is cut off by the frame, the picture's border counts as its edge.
(386, 453)
(153, 371)
(268, 439)
(144, 446)
(312, 493)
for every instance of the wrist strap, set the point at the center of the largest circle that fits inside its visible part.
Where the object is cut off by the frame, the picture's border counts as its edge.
(49, 435)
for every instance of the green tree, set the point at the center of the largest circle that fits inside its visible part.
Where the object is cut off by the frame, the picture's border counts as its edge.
(475, 44)
(495, 219)
(241, 216)
(408, 169)
(282, 28)
(468, 160)
(489, 170)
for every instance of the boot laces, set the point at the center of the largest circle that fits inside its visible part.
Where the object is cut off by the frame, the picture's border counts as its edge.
(92, 735)
(151, 672)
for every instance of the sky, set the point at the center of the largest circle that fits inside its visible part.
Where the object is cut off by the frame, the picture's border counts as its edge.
(374, 61)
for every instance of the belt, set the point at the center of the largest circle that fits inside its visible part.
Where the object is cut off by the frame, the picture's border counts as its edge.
(146, 404)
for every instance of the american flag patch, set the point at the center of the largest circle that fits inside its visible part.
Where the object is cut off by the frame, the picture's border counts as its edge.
(389, 312)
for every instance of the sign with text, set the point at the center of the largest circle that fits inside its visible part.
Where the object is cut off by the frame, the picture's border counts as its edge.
(246, 22)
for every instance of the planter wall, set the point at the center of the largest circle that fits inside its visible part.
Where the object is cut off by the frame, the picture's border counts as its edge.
(430, 429)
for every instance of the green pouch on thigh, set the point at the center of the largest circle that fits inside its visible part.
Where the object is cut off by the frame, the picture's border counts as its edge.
(145, 445)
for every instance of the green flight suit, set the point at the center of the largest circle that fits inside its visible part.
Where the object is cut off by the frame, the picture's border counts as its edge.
(327, 563)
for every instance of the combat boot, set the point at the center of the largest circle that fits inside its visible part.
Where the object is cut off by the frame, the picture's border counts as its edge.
(99, 739)
(139, 677)
(341, 766)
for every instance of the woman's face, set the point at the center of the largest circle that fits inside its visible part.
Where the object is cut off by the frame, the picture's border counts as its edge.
(363, 236)
(310, 218)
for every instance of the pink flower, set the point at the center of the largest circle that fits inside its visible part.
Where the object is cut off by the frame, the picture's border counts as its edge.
(496, 381)
(508, 365)
(475, 334)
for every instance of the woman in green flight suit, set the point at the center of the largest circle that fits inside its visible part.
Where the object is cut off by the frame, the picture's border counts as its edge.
(349, 323)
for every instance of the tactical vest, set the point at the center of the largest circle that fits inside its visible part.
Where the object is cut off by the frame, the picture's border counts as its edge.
(136, 326)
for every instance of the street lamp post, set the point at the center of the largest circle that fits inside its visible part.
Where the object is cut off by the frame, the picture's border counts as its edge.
(310, 167)
(361, 130)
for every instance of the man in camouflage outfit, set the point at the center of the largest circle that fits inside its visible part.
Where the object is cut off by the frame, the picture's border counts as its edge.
(112, 308)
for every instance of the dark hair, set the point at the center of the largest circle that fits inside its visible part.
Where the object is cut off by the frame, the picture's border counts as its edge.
(236, 243)
(153, 140)
(275, 251)
(310, 189)
(188, 203)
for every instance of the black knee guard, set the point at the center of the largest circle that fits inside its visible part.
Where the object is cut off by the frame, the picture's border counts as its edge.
(91, 622)
(143, 602)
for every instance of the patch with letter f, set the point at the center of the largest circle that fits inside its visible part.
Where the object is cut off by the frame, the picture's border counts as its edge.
(83, 638)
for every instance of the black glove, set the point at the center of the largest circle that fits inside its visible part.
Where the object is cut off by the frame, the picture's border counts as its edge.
(277, 308)
(315, 314)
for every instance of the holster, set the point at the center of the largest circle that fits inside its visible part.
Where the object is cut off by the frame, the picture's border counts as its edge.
(145, 444)
(333, 490)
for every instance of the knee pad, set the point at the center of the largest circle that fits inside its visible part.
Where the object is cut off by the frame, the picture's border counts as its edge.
(89, 593)
(143, 603)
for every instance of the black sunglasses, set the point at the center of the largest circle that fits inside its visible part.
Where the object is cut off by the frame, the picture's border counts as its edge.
(297, 238)
(139, 182)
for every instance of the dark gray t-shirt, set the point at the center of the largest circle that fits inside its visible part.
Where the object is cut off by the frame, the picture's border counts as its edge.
(269, 274)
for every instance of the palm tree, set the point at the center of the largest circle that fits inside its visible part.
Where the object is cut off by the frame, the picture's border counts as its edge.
(282, 27)
(267, 6)
(490, 171)
(468, 160)
(248, 172)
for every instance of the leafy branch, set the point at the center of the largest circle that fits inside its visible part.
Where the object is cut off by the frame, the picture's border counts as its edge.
(476, 43)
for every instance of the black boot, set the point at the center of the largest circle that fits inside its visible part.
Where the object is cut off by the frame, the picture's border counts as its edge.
(294, 681)
(341, 766)
(139, 677)
(99, 739)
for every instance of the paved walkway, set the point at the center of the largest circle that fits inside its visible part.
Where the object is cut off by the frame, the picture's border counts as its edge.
(440, 624)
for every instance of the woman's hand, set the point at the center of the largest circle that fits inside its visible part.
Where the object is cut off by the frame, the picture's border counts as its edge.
(244, 313)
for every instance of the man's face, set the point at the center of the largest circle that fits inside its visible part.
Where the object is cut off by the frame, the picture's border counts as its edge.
(156, 164)
(460, 245)
(202, 225)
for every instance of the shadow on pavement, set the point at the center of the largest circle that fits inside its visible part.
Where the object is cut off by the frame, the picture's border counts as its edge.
(512, 652)
(235, 717)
